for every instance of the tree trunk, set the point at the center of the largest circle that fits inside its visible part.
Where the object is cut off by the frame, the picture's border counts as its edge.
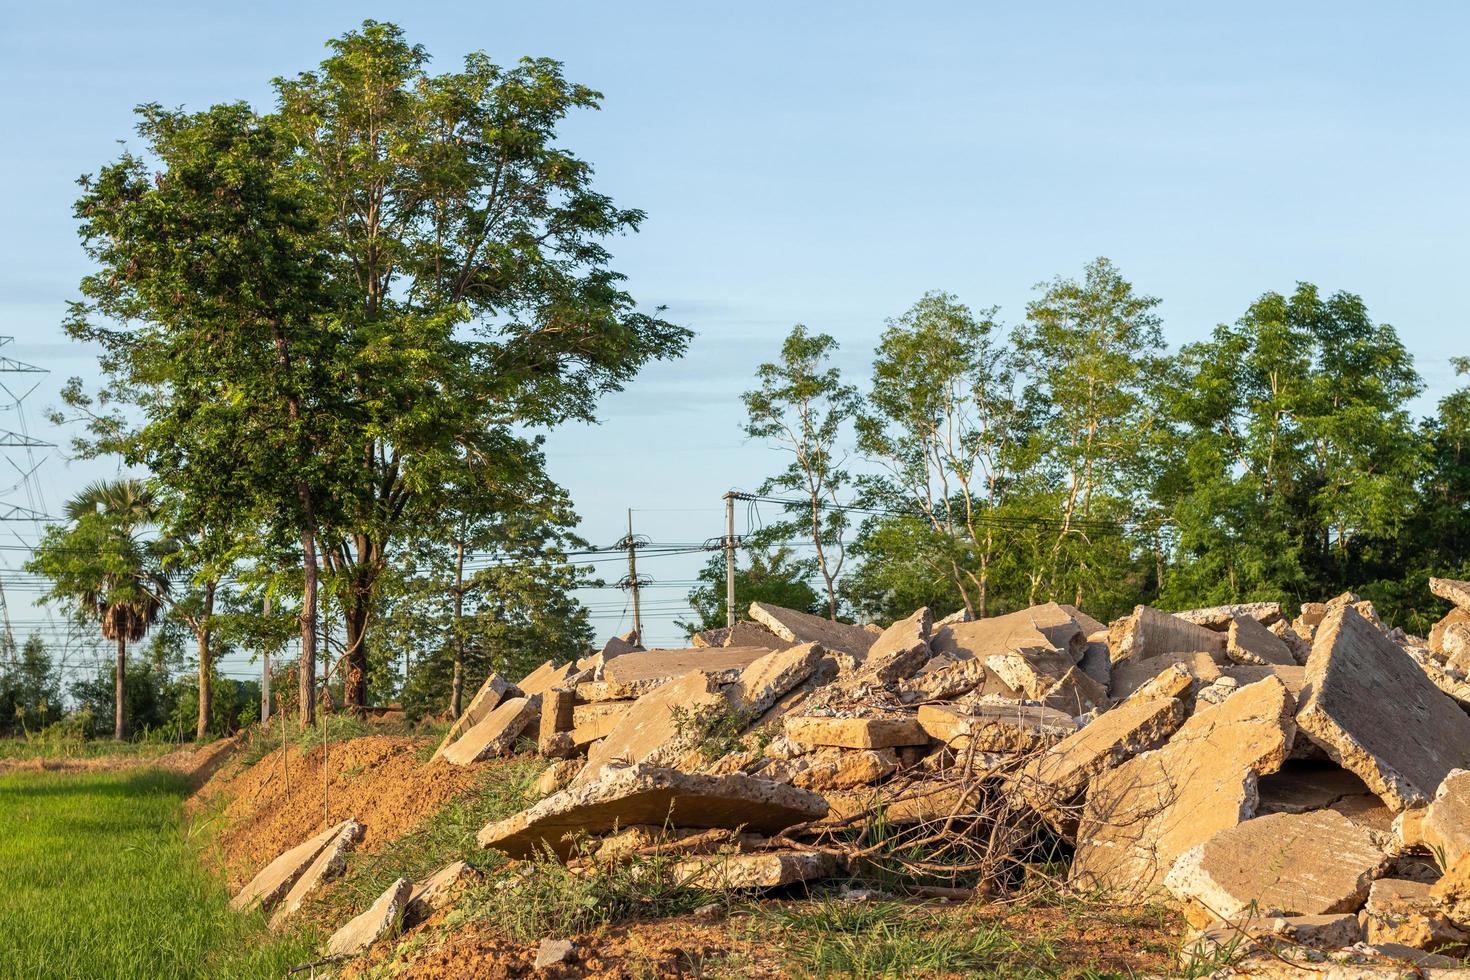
(306, 670)
(456, 690)
(354, 677)
(202, 634)
(117, 687)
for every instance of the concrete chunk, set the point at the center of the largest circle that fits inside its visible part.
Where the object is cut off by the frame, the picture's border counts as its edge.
(1039, 630)
(660, 726)
(491, 693)
(329, 864)
(1451, 590)
(636, 674)
(1407, 913)
(275, 879)
(383, 918)
(593, 721)
(655, 796)
(1219, 618)
(1285, 863)
(748, 634)
(1054, 783)
(767, 869)
(1130, 675)
(766, 680)
(799, 627)
(497, 733)
(1150, 633)
(1445, 827)
(435, 892)
(545, 677)
(1141, 816)
(1248, 642)
(995, 727)
(856, 733)
(1076, 694)
(1369, 705)
(900, 650)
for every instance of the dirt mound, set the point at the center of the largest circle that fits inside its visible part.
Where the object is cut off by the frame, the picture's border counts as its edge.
(277, 803)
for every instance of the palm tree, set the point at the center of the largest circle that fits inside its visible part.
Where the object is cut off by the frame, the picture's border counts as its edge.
(100, 563)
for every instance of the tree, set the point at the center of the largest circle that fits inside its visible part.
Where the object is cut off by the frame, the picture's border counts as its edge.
(320, 315)
(945, 421)
(1299, 451)
(100, 565)
(468, 262)
(767, 575)
(1095, 352)
(30, 689)
(802, 407)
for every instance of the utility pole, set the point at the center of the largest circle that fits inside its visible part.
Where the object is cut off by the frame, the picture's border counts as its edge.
(265, 663)
(633, 577)
(730, 558)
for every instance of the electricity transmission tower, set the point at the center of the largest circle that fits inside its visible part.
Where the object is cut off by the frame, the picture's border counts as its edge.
(21, 501)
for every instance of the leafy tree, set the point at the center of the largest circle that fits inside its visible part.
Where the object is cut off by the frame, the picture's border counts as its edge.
(1298, 449)
(467, 258)
(767, 575)
(1095, 351)
(30, 689)
(320, 315)
(945, 421)
(802, 407)
(100, 565)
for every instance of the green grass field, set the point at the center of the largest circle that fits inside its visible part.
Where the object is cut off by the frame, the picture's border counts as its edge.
(99, 879)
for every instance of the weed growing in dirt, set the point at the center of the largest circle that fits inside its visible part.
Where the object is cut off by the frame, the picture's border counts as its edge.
(261, 740)
(543, 897)
(98, 880)
(713, 733)
(875, 939)
(444, 838)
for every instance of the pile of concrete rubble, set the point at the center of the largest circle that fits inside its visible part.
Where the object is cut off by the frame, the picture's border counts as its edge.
(1302, 785)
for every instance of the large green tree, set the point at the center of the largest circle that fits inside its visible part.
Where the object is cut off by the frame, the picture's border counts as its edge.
(764, 574)
(1297, 449)
(331, 309)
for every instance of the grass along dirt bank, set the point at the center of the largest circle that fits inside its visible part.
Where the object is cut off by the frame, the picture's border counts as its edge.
(100, 878)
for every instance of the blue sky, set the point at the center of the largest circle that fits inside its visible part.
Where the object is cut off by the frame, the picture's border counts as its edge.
(827, 163)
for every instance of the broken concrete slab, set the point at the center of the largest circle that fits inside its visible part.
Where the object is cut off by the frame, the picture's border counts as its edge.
(1030, 675)
(491, 693)
(545, 677)
(748, 634)
(593, 721)
(1130, 675)
(437, 891)
(1041, 630)
(1280, 864)
(900, 650)
(1086, 623)
(1248, 642)
(995, 727)
(1095, 662)
(767, 679)
(636, 674)
(800, 627)
(1316, 931)
(1451, 893)
(661, 726)
(273, 881)
(1451, 590)
(496, 733)
(832, 768)
(652, 795)
(1141, 816)
(1406, 913)
(329, 864)
(855, 733)
(760, 870)
(1053, 784)
(558, 775)
(557, 707)
(1455, 616)
(1219, 618)
(383, 918)
(1372, 709)
(1445, 826)
(1076, 694)
(710, 638)
(945, 682)
(554, 952)
(1150, 633)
